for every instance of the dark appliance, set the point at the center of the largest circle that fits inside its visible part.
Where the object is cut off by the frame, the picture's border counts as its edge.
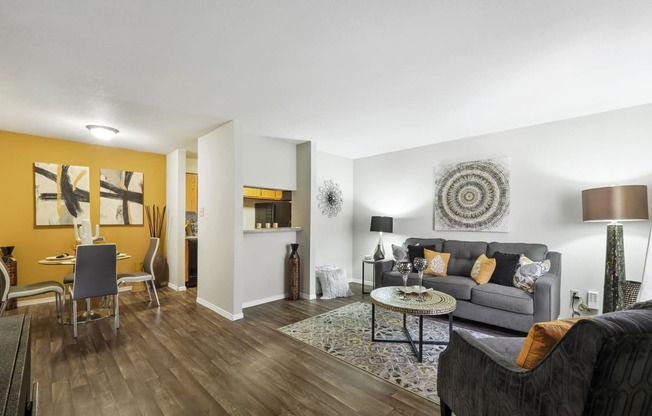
(274, 212)
(192, 263)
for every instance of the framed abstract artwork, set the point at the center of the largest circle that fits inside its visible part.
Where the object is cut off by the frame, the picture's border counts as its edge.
(62, 193)
(472, 196)
(121, 197)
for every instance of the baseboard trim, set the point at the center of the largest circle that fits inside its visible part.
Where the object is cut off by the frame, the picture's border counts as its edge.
(177, 288)
(264, 300)
(219, 310)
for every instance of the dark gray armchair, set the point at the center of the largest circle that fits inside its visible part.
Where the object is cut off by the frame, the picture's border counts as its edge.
(602, 366)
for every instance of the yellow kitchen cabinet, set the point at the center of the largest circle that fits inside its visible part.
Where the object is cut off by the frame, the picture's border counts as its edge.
(259, 193)
(251, 192)
(191, 192)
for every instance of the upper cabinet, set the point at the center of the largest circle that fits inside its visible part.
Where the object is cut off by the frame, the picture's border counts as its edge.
(270, 194)
(191, 192)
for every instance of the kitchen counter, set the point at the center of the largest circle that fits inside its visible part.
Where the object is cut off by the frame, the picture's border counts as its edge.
(272, 230)
(191, 237)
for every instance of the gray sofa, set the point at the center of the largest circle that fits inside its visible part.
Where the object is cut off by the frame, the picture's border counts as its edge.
(494, 304)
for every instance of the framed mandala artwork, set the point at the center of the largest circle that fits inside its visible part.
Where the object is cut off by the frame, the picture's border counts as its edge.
(472, 196)
(330, 199)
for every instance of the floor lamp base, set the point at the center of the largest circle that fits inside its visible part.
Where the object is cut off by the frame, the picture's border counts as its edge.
(614, 275)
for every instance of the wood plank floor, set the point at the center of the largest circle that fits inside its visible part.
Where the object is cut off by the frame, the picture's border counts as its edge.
(186, 360)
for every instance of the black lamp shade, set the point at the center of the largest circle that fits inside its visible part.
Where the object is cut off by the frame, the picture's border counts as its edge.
(382, 224)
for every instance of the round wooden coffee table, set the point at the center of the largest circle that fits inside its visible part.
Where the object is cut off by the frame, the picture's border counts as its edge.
(435, 303)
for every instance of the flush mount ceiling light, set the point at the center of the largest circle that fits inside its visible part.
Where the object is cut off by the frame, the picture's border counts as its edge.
(102, 132)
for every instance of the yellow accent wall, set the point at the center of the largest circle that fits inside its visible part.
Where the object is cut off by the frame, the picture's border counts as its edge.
(18, 152)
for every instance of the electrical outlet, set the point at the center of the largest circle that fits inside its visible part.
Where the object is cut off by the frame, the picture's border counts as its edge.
(592, 299)
(575, 294)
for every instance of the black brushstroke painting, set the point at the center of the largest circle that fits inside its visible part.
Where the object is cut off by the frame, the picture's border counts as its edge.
(72, 198)
(123, 194)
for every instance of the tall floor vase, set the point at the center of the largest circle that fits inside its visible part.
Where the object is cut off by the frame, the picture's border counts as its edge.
(295, 269)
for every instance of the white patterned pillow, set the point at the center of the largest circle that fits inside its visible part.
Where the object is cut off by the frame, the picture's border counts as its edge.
(400, 254)
(528, 271)
(334, 282)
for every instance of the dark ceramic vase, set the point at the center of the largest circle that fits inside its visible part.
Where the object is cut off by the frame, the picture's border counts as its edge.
(7, 250)
(295, 268)
(161, 270)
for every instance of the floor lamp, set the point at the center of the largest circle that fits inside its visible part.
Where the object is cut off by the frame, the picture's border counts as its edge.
(613, 204)
(381, 225)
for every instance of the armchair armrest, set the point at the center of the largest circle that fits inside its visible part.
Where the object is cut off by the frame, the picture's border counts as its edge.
(380, 267)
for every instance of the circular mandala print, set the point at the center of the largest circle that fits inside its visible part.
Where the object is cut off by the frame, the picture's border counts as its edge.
(472, 196)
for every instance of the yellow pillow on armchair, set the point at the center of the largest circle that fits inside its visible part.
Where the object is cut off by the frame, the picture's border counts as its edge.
(541, 338)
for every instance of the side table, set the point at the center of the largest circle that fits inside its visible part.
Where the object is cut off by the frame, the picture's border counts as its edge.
(372, 262)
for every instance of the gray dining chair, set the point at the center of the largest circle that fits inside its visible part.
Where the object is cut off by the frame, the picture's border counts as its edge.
(95, 276)
(24, 291)
(147, 275)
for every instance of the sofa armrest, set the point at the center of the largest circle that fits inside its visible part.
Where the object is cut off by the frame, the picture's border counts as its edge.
(547, 291)
(380, 267)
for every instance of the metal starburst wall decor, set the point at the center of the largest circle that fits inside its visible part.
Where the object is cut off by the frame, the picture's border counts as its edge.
(330, 199)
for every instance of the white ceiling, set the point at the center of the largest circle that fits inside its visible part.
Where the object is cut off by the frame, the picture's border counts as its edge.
(359, 77)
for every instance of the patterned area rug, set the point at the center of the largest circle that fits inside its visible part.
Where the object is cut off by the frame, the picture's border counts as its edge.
(345, 333)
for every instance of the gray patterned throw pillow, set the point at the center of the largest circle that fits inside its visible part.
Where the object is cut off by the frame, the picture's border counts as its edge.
(528, 271)
(400, 254)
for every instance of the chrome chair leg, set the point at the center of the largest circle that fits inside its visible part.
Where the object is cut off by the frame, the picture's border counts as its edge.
(158, 304)
(116, 309)
(73, 316)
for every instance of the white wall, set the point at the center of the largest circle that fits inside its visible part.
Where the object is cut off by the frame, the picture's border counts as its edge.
(266, 267)
(176, 217)
(334, 236)
(219, 252)
(269, 163)
(550, 165)
(304, 210)
(191, 165)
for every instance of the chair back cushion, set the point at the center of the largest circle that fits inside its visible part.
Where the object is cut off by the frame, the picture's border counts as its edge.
(95, 271)
(148, 261)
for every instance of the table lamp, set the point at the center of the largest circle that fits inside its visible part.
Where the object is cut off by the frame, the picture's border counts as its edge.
(381, 225)
(613, 204)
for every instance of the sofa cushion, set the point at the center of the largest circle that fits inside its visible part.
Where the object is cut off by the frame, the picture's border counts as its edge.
(463, 255)
(437, 262)
(483, 269)
(458, 287)
(417, 251)
(400, 254)
(503, 297)
(505, 268)
(528, 271)
(436, 243)
(536, 252)
(394, 278)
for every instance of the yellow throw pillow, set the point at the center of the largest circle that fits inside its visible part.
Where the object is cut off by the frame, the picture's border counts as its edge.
(541, 338)
(437, 262)
(483, 269)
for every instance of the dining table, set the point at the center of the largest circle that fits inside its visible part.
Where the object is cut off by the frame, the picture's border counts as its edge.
(85, 315)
